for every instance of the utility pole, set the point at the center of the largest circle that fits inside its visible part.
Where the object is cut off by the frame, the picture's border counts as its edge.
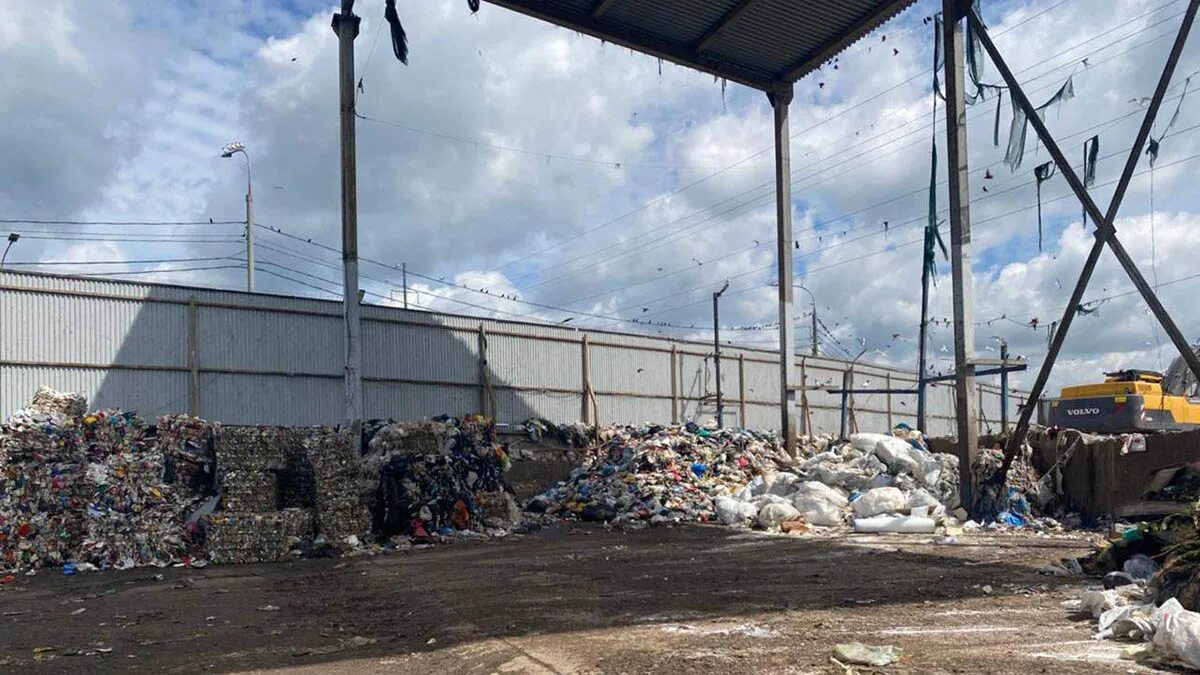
(228, 151)
(960, 241)
(345, 25)
(921, 353)
(717, 352)
(1004, 387)
(404, 276)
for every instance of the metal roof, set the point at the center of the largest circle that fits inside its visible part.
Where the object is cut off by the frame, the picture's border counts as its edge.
(759, 43)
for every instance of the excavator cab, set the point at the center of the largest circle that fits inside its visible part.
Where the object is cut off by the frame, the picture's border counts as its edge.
(1127, 401)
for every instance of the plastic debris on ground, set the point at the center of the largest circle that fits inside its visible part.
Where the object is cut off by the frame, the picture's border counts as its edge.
(439, 479)
(637, 475)
(859, 654)
(874, 483)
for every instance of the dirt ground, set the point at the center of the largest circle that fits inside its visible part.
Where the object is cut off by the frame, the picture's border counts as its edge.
(695, 599)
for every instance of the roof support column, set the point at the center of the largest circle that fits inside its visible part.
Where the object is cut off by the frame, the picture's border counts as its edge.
(345, 25)
(960, 244)
(780, 99)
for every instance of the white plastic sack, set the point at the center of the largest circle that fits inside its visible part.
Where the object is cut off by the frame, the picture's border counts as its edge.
(901, 458)
(867, 442)
(772, 515)
(758, 485)
(734, 512)
(782, 485)
(822, 491)
(762, 500)
(1178, 633)
(820, 504)
(1099, 602)
(880, 500)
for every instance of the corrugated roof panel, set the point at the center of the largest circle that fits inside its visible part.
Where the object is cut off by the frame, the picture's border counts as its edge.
(662, 17)
(771, 41)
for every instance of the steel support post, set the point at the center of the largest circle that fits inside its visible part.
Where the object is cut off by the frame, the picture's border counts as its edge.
(960, 243)
(780, 99)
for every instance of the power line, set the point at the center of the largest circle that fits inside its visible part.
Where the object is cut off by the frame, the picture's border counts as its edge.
(837, 115)
(34, 221)
(117, 262)
(769, 186)
(163, 271)
(799, 133)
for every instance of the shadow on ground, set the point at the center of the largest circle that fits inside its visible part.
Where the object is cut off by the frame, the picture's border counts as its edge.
(560, 580)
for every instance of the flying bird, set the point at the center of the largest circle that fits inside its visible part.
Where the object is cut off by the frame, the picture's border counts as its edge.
(567, 320)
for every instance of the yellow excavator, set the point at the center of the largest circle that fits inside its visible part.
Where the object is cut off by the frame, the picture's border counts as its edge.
(1128, 401)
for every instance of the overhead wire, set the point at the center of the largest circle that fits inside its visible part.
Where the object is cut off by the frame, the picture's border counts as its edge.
(927, 125)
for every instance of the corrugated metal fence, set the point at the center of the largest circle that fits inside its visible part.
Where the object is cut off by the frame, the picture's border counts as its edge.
(243, 358)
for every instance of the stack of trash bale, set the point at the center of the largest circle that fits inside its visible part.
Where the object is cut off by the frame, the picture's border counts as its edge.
(875, 482)
(284, 491)
(88, 490)
(438, 477)
(660, 474)
(336, 471)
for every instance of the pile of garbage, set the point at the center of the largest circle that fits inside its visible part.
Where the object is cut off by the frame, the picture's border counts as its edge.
(659, 474)
(875, 483)
(90, 490)
(1151, 605)
(438, 478)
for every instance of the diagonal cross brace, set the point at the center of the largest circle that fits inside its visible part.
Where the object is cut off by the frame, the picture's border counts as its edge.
(1105, 231)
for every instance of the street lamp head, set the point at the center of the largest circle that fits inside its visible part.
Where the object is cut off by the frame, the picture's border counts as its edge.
(230, 148)
(13, 237)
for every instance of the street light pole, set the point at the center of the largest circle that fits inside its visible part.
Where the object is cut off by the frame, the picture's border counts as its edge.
(230, 150)
(812, 298)
(717, 352)
(13, 237)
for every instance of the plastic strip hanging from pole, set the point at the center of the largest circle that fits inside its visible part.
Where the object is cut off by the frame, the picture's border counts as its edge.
(1041, 174)
(399, 37)
(1020, 123)
(1153, 143)
(1091, 152)
(932, 236)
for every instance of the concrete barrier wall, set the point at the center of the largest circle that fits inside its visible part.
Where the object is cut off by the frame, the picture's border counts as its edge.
(1097, 480)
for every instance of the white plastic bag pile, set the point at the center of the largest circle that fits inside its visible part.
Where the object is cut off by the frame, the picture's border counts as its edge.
(876, 482)
(1168, 631)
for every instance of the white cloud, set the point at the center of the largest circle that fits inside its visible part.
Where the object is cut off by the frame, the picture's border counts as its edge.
(131, 132)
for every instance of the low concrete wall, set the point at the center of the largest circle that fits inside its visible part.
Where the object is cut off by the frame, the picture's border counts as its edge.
(1097, 479)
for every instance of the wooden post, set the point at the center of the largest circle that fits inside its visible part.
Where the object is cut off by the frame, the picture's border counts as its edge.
(487, 404)
(806, 414)
(674, 384)
(587, 381)
(193, 355)
(888, 379)
(742, 389)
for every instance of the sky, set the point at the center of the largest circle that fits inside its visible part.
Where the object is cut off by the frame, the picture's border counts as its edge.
(527, 172)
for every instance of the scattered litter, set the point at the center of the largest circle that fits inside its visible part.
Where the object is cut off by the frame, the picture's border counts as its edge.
(859, 654)
(268, 608)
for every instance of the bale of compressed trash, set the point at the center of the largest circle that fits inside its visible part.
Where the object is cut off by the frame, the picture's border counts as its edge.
(660, 473)
(91, 491)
